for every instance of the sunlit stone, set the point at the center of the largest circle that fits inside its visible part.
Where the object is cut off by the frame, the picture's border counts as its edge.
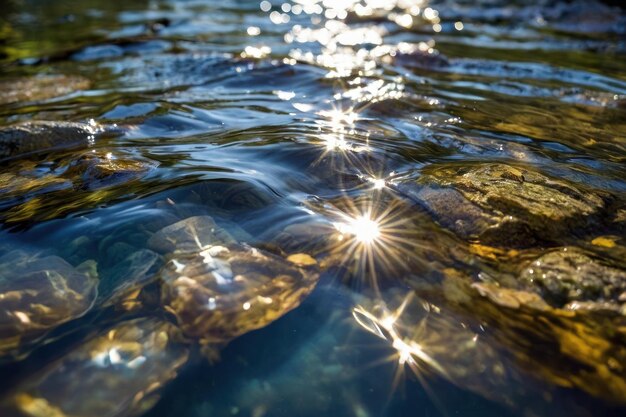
(126, 366)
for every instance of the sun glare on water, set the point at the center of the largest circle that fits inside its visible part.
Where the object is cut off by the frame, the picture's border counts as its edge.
(364, 229)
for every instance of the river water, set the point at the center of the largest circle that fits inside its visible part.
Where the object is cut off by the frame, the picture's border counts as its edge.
(455, 170)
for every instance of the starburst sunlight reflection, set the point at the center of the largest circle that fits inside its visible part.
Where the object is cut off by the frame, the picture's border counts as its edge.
(372, 236)
(386, 326)
(412, 348)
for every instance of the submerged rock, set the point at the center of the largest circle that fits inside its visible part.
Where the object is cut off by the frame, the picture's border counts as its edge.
(28, 89)
(121, 286)
(189, 235)
(435, 340)
(34, 191)
(222, 292)
(231, 199)
(219, 289)
(557, 349)
(94, 170)
(38, 294)
(117, 373)
(499, 204)
(571, 279)
(39, 136)
(30, 182)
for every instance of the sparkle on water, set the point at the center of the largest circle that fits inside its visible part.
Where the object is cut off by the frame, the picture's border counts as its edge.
(364, 229)
(352, 49)
(408, 351)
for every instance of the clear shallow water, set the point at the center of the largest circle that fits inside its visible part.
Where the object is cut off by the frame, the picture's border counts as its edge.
(286, 122)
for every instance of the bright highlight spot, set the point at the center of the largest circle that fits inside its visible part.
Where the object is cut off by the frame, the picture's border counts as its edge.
(407, 350)
(336, 142)
(266, 6)
(256, 52)
(378, 183)
(338, 117)
(285, 95)
(253, 31)
(404, 351)
(364, 229)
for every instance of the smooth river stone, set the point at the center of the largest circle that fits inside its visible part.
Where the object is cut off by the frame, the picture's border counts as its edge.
(118, 373)
(38, 136)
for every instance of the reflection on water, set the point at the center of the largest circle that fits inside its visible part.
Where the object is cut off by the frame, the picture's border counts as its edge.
(293, 208)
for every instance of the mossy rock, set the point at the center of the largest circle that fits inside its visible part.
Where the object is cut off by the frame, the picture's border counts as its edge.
(39, 136)
(503, 205)
(572, 279)
(29, 89)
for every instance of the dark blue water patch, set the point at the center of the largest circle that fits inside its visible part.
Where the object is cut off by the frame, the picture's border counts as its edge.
(247, 115)
(313, 361)
(577, 96)
(521, 70)
(120, 48)
(223, 196)
(122, 111)
(273, 87)
(175, 124)
(558, 148)
(99, 52)
(172, 70)
(582, 17)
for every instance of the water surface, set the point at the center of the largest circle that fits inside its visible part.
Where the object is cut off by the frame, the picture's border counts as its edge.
(291, 123)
